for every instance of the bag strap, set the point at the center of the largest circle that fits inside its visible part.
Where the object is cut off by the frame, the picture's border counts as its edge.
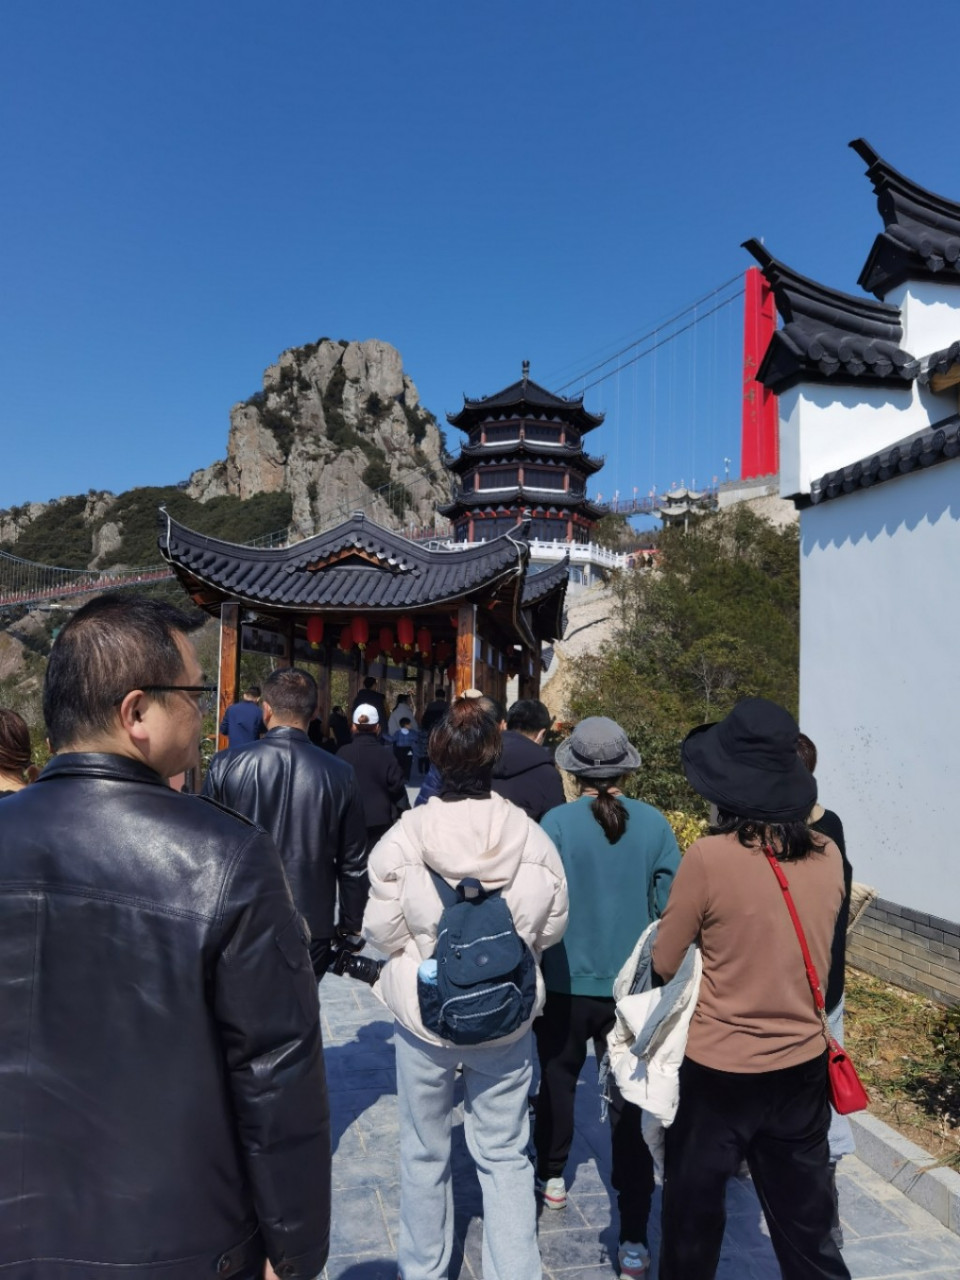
(812, 976)
(447, 894)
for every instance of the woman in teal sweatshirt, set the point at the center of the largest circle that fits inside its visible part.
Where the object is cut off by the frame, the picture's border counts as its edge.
(619, 856)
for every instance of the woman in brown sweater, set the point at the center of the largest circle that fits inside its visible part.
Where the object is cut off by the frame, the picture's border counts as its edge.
(753, 1083)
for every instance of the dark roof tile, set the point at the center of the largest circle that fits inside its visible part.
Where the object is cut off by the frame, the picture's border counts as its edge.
(925, 448)
(829, 336)
(921, 235)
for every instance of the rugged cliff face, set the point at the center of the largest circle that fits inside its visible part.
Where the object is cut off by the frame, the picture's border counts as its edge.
(338, 426)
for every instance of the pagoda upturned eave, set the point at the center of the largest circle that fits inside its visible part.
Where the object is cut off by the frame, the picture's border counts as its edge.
(516, 500)
(524, 399)
(492, 454)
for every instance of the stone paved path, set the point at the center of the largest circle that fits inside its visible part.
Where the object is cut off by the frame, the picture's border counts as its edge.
(888, 1237)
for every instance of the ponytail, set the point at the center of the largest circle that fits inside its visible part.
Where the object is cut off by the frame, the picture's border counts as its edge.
(608, 809)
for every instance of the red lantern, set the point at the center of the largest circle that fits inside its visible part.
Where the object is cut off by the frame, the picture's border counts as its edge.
(454, 621)
(360, 629)
(452, 672)
(346, 639)
(398, 656)
(424, 642)
(372, 651)
(315, 630)
(405, 632)
(386, 639)
(442, 652)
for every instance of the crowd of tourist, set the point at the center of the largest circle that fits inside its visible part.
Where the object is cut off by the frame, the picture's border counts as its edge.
(163, 1103)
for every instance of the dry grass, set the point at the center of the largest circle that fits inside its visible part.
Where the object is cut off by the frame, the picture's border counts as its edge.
(907, 1051)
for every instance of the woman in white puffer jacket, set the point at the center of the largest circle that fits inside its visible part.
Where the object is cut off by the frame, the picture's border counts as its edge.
(466, 831)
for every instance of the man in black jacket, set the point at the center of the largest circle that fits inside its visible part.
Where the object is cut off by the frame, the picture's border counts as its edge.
(525, 773)
(380, 776)
(163, 1107)
(310, 803)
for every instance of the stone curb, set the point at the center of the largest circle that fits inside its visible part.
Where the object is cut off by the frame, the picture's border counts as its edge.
(909, 1168)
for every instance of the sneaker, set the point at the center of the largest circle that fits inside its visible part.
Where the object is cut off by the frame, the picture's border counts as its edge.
(553, 1192)
(633, 1261)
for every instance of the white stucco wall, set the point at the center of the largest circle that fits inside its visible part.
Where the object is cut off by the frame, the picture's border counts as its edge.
(825, 426)
(929, 313)
(880, 679)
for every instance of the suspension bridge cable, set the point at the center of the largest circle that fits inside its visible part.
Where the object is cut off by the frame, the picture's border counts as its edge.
(649, 350)
(663, 324)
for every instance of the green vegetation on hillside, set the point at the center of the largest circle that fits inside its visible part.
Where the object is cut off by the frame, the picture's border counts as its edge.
(716, 622)
(60, 536)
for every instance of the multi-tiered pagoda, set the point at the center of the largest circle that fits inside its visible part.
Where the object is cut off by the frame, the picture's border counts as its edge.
(523, 458)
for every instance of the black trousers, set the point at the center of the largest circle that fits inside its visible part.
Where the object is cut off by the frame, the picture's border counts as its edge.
(563, 1031)
(777, 1121)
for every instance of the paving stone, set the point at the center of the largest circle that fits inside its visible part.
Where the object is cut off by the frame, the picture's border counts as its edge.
(888, 1236)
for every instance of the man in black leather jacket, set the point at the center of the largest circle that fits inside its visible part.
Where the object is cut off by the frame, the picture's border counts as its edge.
(310, 803)
(163, 1107)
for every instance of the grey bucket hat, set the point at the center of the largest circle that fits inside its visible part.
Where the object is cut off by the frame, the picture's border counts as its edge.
(597, 748)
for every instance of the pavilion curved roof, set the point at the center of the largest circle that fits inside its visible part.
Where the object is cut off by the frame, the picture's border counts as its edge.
(358, 566)
(829, 336)
(921, 235)
(524, 398)
(543, 596)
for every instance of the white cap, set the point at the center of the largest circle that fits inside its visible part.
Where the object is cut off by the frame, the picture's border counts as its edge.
(366, 714)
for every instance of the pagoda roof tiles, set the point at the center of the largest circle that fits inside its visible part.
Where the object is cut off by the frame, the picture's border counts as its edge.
(522, 398)
(507, 499)
(921, 235)
(491, 454)
(931, 445)
(829, 336)
(358, 566)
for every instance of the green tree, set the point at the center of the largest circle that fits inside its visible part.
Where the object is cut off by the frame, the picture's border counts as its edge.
(716, 621)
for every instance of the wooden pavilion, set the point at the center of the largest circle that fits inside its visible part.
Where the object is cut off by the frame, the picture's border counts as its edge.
(365, 599)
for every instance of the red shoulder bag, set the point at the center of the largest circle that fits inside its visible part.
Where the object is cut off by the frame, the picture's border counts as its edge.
(843, 1084)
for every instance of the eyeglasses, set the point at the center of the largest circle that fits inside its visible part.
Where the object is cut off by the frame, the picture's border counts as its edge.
(203, 694)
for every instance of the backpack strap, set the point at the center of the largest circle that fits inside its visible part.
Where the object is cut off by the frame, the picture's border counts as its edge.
(448, 896)
(468, 890)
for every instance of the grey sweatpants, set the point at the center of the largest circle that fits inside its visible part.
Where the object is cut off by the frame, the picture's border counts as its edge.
(496, 1081)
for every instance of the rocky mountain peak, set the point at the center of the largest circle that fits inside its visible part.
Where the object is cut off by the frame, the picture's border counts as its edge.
(339, 426)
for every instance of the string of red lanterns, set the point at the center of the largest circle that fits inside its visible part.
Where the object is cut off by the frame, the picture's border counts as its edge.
(356, 634)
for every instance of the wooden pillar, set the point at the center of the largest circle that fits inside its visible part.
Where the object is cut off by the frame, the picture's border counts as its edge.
(418, 700)
(228, 676)
(528, 685)
(466, 647)
(323, 686)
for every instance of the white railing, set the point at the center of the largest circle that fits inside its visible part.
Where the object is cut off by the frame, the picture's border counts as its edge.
(580, 552)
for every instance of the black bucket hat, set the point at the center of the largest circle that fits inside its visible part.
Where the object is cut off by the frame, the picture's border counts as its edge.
(597, 748)
(747, 764)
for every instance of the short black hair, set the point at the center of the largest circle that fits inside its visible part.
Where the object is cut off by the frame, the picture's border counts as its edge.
(440, 693)
(370, 682)
(253, 691)
(528, 716)
(405, 720)
(291, 692)
(111, 646)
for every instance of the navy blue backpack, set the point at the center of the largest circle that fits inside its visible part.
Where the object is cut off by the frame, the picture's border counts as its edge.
(486, 981)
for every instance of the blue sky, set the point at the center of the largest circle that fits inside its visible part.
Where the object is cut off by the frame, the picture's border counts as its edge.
(189, 189)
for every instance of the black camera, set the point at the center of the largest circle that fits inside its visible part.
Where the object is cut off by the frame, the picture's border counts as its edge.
(345, 960)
